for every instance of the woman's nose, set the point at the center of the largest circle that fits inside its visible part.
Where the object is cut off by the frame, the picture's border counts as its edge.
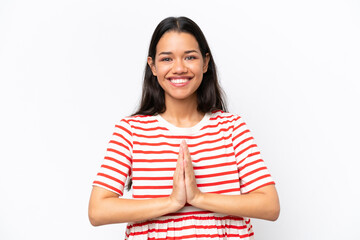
(179, 67)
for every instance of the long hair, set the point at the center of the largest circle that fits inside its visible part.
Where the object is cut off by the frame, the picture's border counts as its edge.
(210, 96)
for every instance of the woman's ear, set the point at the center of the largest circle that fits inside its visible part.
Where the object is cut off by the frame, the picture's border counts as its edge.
(206, 62)
(151, 65)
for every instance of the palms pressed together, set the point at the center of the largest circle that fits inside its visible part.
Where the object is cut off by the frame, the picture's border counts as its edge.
(185, 189)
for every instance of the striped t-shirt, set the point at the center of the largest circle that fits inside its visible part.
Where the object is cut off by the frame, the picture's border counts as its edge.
(225, 159)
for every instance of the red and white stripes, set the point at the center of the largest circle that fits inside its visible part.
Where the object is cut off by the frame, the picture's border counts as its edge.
(225, 158)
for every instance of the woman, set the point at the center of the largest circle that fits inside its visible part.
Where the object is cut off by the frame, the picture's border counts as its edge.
(196, 171)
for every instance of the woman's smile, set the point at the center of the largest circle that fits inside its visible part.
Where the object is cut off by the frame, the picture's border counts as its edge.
(179, 81)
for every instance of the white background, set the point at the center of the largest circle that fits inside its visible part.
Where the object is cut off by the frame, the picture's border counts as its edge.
(70, 69)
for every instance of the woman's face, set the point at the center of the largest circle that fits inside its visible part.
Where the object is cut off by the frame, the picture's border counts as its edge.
(179, 65)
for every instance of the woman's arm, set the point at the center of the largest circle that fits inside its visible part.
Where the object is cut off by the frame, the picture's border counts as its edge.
(262, 203)
(106, 207)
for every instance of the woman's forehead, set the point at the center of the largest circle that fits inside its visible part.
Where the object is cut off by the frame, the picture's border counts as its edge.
(175, 42)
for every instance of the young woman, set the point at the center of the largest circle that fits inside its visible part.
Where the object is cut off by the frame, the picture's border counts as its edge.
(196, 172)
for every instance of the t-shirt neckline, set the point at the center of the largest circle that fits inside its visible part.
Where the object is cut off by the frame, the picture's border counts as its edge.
(184, 131)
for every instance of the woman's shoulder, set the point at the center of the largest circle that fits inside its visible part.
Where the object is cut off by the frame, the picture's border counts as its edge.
(221, 118)
(221, 115)
(138, 118)
(129, 124)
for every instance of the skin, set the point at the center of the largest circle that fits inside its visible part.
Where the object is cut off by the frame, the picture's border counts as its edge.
(105, 207)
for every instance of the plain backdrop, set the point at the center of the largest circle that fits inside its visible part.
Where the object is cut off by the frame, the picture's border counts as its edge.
(70, 69)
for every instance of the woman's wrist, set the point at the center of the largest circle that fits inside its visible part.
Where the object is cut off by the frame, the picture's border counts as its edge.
(197, 200)
(174, 205)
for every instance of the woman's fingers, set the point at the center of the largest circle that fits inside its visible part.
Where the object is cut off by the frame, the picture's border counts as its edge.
(184, 182)
(187, 160)
(192, 191)
(178, 194)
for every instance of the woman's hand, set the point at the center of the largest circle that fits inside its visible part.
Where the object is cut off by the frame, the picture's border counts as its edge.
(178, 195)
(192, 191)
(185, 189)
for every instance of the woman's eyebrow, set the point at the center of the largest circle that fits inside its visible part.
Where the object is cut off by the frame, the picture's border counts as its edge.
(186, 52)
(165, 53)
(191, 51)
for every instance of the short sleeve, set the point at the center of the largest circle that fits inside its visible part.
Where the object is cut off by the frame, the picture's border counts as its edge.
(253, 173)
(116, 166)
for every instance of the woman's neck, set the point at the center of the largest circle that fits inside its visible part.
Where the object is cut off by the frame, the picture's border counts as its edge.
(182, 113)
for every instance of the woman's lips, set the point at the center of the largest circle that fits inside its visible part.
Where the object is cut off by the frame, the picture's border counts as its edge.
(179, 82)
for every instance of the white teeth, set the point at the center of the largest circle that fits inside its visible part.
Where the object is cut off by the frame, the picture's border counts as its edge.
(179, 80)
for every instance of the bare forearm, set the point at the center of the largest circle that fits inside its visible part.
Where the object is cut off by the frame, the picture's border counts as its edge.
(107, 210)
(118, 210)
(254, 205)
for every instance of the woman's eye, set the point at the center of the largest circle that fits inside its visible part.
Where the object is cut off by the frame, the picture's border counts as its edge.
(165, 59)
(190, 58)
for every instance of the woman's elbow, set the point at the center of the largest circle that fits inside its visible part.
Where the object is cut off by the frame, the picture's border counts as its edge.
(93, 217)
(273, 213)
(95, 214)
(273, 204)
(97, 206)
